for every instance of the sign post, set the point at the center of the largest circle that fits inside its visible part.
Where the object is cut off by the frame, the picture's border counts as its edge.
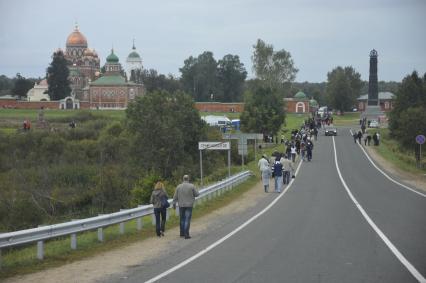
(242, 142)
(420, 139)
(214, 146)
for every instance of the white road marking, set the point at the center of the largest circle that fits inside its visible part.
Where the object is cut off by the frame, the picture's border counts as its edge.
(386, 175)
(385, 239)
(218, 242)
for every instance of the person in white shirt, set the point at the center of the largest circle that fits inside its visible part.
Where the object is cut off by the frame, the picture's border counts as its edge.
(265, 170)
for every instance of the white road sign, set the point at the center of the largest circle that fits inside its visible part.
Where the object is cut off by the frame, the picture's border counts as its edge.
(214, 145)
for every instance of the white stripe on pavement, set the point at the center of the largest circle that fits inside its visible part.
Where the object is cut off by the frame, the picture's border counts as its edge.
(386, 175)
(218, 242)
(385, 239)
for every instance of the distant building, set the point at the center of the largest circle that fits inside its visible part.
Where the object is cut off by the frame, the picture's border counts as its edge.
(300, 103)
(111, 90)
(133, 62)
(386, 100)
(39, 92)
(84, 63)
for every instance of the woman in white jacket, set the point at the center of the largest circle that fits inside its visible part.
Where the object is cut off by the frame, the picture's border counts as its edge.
(265, 169)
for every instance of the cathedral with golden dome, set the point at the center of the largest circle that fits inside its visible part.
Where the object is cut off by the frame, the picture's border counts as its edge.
(84, 63)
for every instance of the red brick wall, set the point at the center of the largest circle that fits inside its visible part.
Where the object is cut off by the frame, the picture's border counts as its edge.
(12, 103)
(219, 107)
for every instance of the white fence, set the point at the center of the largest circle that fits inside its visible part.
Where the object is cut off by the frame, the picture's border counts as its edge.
(72, 228)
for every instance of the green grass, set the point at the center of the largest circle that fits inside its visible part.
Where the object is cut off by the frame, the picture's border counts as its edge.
(292, 121)
(346, 119)
(23, 260)
(390, 150)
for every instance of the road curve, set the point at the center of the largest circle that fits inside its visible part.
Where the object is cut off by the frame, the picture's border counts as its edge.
(313, 233)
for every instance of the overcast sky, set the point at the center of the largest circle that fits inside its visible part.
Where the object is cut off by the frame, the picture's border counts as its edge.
(320, 35)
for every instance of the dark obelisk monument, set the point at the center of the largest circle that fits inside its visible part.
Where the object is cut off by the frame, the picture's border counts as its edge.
(373, 112)
(373, 89)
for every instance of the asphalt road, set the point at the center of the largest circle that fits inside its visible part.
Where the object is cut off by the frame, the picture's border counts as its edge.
(314, 232)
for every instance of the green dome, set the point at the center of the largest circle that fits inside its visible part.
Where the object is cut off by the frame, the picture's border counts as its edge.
(134, 54)
(313, 103)
(112, 58)
(300, 95)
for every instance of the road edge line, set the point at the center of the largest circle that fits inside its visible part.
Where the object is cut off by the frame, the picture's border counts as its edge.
(379, 232)
(224, 238)
(386, 175)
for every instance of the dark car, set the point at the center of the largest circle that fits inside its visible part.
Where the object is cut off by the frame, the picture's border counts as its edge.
(330, 131)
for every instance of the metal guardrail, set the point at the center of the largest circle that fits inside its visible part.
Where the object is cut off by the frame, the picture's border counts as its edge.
(72, 228)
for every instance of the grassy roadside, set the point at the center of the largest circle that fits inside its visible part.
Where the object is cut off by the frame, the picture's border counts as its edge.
(20, 261)
(389, 149)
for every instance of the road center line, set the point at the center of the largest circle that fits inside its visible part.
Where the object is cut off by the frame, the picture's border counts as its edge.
(386, 175)
(218, 242)
(385, 239)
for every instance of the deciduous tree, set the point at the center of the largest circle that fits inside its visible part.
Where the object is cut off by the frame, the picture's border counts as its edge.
(343, 88)
(231, 76)
(407, 118)
(263, 112)
(166, 129)
(22, 86)
(275, 68)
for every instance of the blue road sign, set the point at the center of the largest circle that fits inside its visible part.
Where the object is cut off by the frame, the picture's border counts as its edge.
(420, 139)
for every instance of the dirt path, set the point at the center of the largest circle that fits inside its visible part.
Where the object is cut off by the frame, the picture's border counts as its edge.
(118, 260)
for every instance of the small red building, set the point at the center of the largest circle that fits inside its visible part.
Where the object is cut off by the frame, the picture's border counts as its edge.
(385, 101)
(300, 103)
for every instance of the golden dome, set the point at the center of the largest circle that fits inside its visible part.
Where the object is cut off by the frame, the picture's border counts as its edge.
(88, 52)
(76, 38)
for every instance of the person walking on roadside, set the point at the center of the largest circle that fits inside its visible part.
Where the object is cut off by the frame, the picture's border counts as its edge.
(293, 151)
(278, 175)
(160, 211)
(265, 171)
(359, 136)
(309, 149)
(288, 170)
(185, 197)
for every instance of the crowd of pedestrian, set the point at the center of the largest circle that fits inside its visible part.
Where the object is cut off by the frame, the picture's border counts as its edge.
(281, 166)
(362, 134)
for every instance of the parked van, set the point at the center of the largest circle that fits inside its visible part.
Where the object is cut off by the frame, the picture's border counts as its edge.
(217, 121)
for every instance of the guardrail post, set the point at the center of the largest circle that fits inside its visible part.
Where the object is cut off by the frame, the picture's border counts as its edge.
(139, 223)
(74, 241)
(167, 214)
(100, 234)
(177, 211)
(40, 250)
(122, 228)
(153, 219)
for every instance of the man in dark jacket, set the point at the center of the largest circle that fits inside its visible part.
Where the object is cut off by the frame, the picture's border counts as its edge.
(185, 197)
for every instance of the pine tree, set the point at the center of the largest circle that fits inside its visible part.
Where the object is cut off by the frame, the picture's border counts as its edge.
(57, 77)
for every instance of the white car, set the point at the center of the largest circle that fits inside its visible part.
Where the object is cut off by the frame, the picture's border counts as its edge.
(374, 124)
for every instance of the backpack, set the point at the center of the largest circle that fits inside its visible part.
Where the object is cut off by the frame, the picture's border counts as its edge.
(164, 202)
